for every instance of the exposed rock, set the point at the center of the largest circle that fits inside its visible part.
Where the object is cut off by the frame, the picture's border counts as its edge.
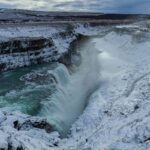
(66, 58)
(39, 78)
(25, 45)
(25, 51)
(17, 131)
(29, 124)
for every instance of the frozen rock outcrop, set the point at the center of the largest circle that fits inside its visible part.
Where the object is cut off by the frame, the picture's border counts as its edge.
(20, 131)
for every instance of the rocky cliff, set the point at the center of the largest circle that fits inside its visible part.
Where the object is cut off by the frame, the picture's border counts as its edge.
(28, 37)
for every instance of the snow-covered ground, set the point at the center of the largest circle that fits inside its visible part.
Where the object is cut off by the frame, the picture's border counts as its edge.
(117, 116)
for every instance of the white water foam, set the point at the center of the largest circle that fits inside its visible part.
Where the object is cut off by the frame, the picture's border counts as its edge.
(73, 89)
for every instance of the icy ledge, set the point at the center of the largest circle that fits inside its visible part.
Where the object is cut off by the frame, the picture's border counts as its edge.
(20, 131)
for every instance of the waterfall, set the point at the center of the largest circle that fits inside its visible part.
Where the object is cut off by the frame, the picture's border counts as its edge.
(64, 106)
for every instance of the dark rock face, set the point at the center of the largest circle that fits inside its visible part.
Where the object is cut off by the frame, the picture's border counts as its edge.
(21, 52)
(39, 78)
(67, 57)
(2, 66)
(29, 124)
(25, 44)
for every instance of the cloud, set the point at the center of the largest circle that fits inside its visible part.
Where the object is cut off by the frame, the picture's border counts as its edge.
(115, 6)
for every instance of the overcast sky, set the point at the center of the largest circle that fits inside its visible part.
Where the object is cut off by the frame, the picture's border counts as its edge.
(116, 6)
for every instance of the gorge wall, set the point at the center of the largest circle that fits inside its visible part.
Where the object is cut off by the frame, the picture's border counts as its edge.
(29, 37)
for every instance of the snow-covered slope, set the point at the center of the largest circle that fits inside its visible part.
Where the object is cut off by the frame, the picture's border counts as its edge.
(117, 116)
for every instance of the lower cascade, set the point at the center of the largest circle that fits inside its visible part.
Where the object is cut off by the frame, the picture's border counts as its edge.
(53, 91)
(68, 101)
